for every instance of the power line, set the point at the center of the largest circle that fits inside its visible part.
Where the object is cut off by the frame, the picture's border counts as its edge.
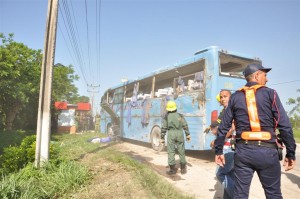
(72, 36)
(98, 35)
(87, 34)
(285, 82)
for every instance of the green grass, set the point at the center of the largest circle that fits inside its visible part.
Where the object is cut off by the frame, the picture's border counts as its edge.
(297, 135)
(57, 180)
(151, 182)
(50, 181)
(154, 185)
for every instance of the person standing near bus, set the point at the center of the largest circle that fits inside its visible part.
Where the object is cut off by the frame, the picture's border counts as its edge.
(257, 113)
(225, 174)
(175, 123)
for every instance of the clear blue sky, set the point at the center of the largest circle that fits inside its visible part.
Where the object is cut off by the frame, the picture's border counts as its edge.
(140, 36)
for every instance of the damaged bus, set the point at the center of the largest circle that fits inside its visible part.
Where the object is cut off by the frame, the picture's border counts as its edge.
(134, 109)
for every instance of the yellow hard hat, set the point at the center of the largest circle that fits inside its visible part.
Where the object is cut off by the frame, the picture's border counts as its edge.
(171, 106)
(218, 97)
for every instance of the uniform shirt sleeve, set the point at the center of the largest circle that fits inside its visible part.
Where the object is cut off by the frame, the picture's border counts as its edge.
(164, 127)
(284, 126)
(185, 126)
(224, 127)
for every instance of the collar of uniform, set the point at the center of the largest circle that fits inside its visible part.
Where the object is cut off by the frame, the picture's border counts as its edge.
(249, 84)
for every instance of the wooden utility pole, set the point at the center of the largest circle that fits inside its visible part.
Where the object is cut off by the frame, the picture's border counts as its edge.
(44, 114)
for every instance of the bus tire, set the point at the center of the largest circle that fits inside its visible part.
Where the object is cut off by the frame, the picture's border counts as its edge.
(113, 131)
(109, 130)
(155, 139)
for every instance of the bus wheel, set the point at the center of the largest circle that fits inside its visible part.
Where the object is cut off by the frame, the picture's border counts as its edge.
(113, 131)
(109, 130)
(155, 139)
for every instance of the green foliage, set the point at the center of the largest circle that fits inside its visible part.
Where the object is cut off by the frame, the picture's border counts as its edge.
(297, 134)
(63, 83)
(294, 114)
(50, 181)
(19, 74)
(13, 138)
(20, 80)
(16, 157)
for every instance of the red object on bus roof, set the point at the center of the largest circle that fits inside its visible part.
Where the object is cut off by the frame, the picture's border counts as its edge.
(61, 105)
(81, 106)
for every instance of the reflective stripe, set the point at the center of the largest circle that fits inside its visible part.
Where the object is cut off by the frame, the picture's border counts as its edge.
(261, 135)
(252, 110)
(251, 106)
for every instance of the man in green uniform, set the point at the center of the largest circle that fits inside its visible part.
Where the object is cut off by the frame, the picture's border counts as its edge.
(175, 123)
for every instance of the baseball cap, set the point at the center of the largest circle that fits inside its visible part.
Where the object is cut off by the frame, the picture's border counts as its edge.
(251, 68)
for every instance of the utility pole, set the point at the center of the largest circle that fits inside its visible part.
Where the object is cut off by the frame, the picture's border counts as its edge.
(44, 114)
(93, 91)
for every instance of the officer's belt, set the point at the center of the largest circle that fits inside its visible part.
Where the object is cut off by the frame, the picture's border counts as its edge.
(273, 136)
(257, 143)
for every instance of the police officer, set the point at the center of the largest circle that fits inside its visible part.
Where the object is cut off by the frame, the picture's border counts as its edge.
(175, 123)
(257, 112)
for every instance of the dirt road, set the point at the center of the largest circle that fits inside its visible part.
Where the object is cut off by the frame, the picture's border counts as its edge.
(200, 180)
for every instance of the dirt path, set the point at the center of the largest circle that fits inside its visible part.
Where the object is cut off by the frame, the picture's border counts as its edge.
(200, 180)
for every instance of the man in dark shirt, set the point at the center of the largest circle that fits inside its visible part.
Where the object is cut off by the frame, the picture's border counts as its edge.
(254, 116)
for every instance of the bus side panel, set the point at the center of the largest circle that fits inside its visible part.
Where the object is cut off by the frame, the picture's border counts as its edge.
(195, 115)
(199, 139)
(105, 120)
(135, 126)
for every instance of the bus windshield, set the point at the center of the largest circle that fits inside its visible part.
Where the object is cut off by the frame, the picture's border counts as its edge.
(234, 66)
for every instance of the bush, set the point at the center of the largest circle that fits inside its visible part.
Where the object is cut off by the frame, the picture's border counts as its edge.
(15, 158)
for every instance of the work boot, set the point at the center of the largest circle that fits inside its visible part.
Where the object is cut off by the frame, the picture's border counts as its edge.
(172, 170)
(183, 169)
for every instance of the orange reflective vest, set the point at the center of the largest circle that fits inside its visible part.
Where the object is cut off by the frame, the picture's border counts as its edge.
(255, 133)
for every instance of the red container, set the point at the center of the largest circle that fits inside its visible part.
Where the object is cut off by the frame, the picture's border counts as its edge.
(61, 105)
(83, 106)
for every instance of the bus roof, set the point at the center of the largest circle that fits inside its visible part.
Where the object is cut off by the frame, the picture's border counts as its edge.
(197, 55)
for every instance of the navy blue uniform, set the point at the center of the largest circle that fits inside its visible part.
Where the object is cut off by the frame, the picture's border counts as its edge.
(249, 158)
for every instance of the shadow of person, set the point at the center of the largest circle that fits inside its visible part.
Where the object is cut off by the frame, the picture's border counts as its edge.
(293, 178)
(218, 189)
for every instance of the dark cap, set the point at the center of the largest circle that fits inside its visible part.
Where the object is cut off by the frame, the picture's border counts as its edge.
(251, 68)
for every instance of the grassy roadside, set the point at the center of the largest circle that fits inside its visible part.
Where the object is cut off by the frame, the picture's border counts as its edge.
(115, 175)
(86, 170)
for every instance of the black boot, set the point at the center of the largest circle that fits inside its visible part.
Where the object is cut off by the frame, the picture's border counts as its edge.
(172, 170)
(183, 169)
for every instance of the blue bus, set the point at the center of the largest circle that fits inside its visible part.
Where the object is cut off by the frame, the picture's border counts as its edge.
(134, 109)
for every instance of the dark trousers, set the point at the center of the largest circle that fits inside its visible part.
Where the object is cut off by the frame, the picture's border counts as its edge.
(263, 160)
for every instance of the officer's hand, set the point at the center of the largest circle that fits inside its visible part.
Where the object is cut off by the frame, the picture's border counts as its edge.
(207, 130)
(212, 144)
(220, 160)
(188, 138)
(289, 164)
(162, 141)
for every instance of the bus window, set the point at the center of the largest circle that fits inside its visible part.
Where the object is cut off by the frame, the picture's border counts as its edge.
(145, 87)
(181, 79)
(234, 66)
(118, 96)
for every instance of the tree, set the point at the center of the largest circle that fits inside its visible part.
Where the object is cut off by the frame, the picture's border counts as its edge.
(19, 74)
(293, 114)
(20, 69)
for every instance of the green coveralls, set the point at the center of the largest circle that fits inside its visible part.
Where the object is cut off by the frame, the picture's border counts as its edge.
(174, 123)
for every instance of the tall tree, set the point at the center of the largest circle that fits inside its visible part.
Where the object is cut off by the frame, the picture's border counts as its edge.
(293, 114)
(19, 74)
(20, 69)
